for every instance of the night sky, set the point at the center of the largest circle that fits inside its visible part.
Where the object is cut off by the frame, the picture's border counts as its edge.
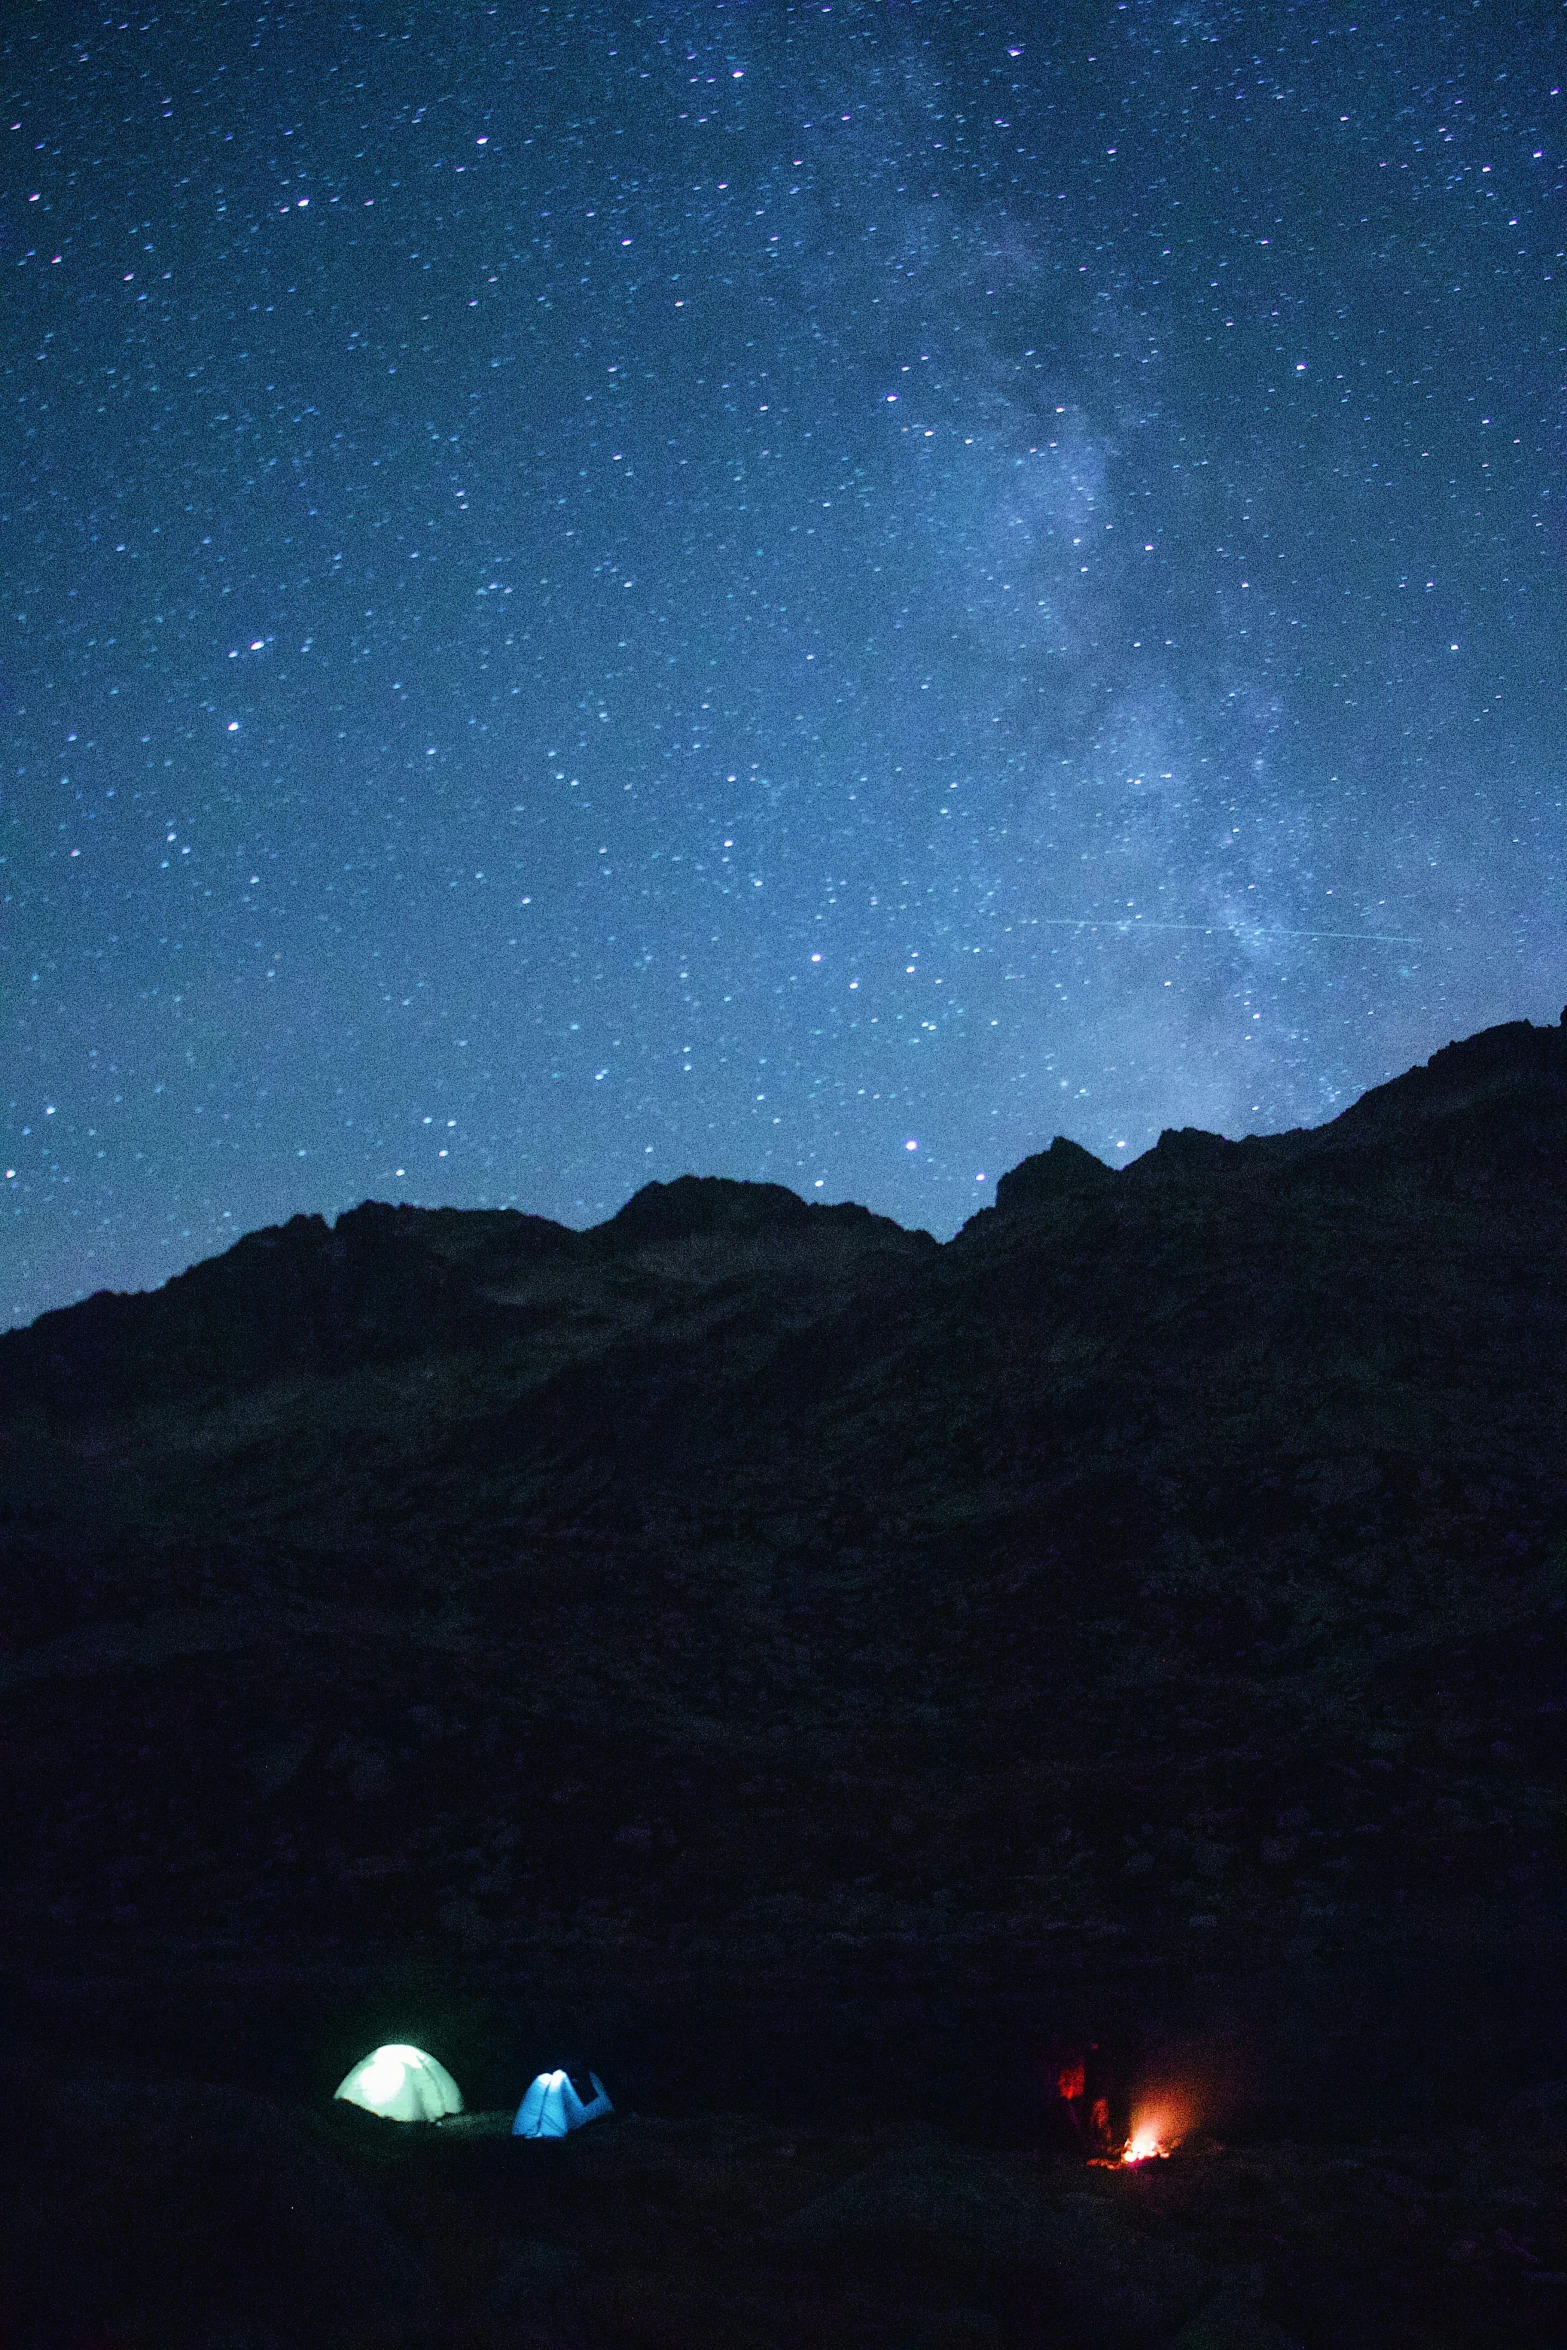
(810, 593)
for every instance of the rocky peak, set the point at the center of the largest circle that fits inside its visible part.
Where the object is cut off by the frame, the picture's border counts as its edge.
(1050, 1175)
(703, 1207)
(693, 1205)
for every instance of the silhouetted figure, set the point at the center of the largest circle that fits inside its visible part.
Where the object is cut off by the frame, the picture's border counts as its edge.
(1087, 2103)
(1099, 2102)
(1064, 2110)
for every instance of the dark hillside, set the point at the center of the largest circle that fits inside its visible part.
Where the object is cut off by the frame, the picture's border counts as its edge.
(780, 1645)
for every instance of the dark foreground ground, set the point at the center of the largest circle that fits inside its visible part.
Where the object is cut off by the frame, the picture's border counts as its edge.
(179, 2216)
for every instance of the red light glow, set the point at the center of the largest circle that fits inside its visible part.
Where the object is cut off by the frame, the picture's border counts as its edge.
(1157, 2129)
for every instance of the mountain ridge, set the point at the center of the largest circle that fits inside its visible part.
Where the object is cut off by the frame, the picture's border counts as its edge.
(381, 1279)
(1149, 1606)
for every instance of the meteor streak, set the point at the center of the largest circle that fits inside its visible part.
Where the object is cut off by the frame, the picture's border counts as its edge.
(1390, 938)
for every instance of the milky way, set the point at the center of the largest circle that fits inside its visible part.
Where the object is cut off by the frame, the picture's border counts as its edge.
(817, 594)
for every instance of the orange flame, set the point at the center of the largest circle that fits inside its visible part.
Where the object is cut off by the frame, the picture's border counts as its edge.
(1156, 2130)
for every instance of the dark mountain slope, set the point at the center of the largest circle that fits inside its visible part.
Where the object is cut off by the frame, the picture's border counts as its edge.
(1152, 1603)
(385, 1284)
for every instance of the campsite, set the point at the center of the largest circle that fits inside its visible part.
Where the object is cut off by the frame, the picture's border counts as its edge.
(897, 1721)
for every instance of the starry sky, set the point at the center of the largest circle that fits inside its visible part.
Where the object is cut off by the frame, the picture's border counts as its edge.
(816, 593)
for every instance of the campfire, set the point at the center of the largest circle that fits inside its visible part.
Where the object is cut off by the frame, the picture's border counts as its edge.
(1151, 2138)
(1160, 2120)
(1114, 2127)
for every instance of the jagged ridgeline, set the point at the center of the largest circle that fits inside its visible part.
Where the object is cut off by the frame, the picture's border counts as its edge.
(1150, 1602)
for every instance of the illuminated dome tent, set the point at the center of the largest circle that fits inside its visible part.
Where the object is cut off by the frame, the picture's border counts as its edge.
(552, 2107)
(402, 2084)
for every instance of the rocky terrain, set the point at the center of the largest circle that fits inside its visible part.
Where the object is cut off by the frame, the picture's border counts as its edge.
(203, 2215)
(826, 1677)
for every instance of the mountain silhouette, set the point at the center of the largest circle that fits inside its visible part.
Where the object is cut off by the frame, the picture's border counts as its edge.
(1145, 1608)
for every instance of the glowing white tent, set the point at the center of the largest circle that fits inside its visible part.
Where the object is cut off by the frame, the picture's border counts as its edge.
(552, 2107)
(402, 2084)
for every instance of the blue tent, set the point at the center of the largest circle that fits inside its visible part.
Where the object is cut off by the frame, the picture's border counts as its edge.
(552, 2107)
